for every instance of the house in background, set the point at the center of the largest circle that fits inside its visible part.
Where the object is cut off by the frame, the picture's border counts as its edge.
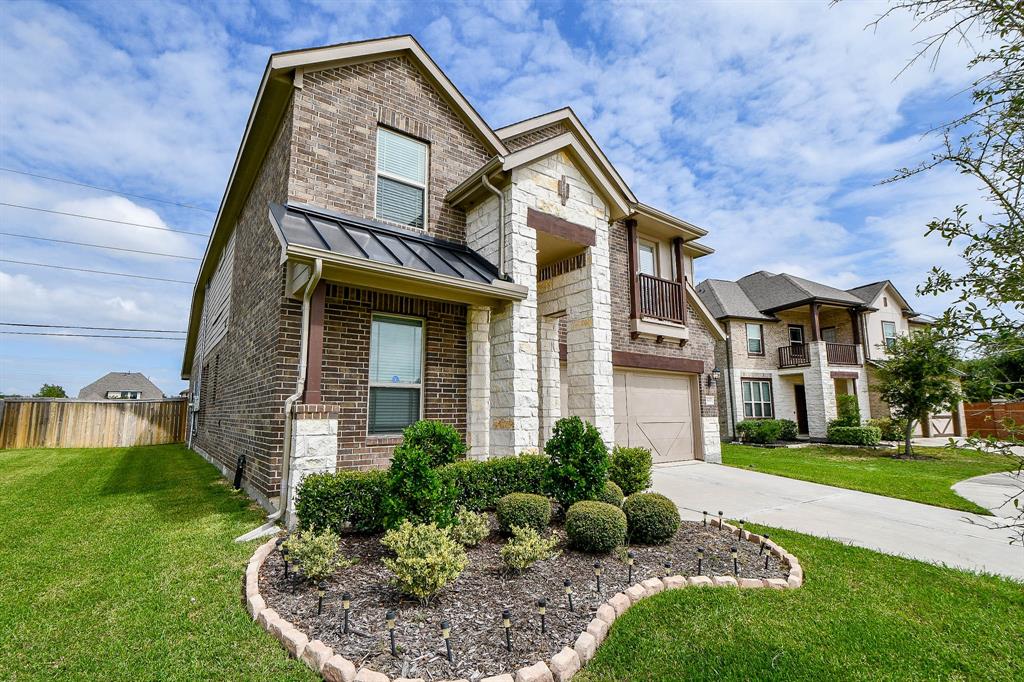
(121, 386)
(792, 345)
(382, 255)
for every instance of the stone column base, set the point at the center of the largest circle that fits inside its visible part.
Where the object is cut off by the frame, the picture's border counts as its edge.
(314, 448)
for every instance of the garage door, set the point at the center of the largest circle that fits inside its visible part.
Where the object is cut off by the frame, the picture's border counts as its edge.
(942, 425)
(654, 411)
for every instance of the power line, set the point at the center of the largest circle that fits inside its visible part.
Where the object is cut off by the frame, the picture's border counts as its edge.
(98, 246)
(94, 336)
(108, 189)
(104, 329)
(95, 272)
(105, 220)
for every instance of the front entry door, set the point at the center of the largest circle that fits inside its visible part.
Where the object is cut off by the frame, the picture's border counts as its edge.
(801, 408)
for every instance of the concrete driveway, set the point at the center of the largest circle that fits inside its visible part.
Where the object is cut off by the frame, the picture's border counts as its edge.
(918, 531)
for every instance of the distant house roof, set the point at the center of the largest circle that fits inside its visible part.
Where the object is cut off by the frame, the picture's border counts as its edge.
(121, 381)
(869, 292)
(762, 293)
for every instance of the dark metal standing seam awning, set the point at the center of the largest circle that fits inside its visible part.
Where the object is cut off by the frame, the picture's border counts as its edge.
(359, 238)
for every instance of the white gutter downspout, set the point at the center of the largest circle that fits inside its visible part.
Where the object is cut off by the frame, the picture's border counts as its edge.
(270, 527)
(501, 223)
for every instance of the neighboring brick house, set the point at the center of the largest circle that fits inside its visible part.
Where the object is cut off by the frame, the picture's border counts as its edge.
(121, 386)
(793, 345)
(364, 273)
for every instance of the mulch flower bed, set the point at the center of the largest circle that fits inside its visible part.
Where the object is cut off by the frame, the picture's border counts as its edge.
(473, 604)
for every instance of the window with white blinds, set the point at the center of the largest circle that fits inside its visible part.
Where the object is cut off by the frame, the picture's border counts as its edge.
(401, 179)
(396, 373)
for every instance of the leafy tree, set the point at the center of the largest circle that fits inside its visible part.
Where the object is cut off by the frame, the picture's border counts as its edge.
(998, 370)
(918, 377)
(51, 391)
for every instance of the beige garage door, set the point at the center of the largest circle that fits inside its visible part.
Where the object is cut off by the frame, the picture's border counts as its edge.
(654, 411)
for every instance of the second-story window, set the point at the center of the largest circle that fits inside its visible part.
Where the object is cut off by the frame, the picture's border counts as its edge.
(755, 344)
(648, 256)
(401, 179)
(889, 333)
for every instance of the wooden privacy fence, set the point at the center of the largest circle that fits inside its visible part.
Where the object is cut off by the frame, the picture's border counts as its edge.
(986, 419)
(41, 423)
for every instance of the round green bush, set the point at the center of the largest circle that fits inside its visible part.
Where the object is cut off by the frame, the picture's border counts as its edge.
(652, 518)
(440, 441)
(610, 494)
(630, 469)
(524, 510)
(596, 527)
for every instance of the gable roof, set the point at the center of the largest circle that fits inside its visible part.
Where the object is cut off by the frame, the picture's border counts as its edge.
(869, 292)
(759, 294)
(121, 381)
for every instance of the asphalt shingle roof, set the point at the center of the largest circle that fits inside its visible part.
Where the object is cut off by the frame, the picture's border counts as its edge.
(754, 296)
(121, 381)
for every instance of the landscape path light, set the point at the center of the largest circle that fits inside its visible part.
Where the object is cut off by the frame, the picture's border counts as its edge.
(390, 619)
(597, 574)
(542, 607)
(446, 633)
(630, 558)
(321, 590)
(506, 623)
(700, 561)
(568, 592)
(668, 568)
(735, 563)
(346, 604)
(705, 518)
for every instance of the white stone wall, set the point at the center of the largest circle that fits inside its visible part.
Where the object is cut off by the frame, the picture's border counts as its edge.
(314, 451)
(478, 380)
(820, 390)
(712, 440)
(550, 378)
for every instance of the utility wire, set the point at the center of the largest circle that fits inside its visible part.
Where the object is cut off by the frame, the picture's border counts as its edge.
(97, 246)
(95, 272)
(105, 220)
(103, 329)
(94, 336)
(108, 189)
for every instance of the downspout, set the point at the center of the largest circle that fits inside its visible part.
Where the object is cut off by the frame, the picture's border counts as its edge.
(268, 528)
(501, 223)
(728, 372)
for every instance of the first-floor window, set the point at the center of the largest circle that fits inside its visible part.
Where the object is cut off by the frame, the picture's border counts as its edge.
(757, 398)
(396, 373)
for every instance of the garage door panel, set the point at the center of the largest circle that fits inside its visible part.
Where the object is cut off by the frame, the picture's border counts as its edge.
(654, 411)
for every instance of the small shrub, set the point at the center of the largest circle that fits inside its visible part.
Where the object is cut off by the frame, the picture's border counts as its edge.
(416, 491)
(523, 510)
(578, 465)
(890, 427)
(651, 519)
(630, 469)
(470, 528)
(344, 501)
(317, 553)
(527, 547)
(610, 494)
(595, 527)
(847, 410)
(440, 441)
(426, 559)
(759, 430)
(853, 435)
(479, 484)
(788, 430)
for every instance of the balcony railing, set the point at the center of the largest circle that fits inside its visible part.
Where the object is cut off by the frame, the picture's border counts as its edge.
(794, 355)
(661, 299)
(841, 354)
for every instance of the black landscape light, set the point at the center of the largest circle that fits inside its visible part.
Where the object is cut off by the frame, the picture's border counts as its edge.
(767, 555)
(700, 561)
(390, 618)
(597, 574)
(321, 590)
(735, 563)
(542, 608)
(506, 622)
(668, 568)
(743, 526)
(568, 592)
(721, 521)
(346, 604)
(705, 518)
(446, 633)
(630, 558)
(284, 555)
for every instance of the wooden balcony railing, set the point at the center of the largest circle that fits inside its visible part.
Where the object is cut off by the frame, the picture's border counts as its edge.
(841, 354)
(661, 299)
(794, 355)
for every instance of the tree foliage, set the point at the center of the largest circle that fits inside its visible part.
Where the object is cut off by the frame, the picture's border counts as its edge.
(51, 391)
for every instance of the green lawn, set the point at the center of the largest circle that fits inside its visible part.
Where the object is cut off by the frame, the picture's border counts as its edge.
(119, 564)
(860, 616)
(875, 471)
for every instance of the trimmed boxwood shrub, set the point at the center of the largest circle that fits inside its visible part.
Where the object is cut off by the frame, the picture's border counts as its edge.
(847, 410)
(788, 431)
(854, 435)
(610, 494)
(595, 527)
(759, 430)
(578, 465)
(651, 518)
(343, 501)
(415, 491)
(479, 484)
(891, 428)
(630, 469)
(523, 510)
(440, 441)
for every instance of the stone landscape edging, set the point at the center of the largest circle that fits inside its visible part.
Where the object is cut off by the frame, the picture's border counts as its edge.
(562, 667)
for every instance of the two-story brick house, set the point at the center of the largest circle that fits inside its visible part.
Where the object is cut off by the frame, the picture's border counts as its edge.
(792, 345)
(381, 255)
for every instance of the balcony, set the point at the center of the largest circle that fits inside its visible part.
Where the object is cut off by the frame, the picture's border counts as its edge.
(841, 354)
(794, 355)
(661, 299)
(799, 355)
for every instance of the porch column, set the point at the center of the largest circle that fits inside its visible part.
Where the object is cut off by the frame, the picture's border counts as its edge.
(478, 381)
(815, 322)
(589, 342)
(634, 267)
(820, 392)
(315, 346)
(678, 243)
(550, 377)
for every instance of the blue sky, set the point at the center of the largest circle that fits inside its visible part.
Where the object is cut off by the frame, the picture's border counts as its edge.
(769, 123)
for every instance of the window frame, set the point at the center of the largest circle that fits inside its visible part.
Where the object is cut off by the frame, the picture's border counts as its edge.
(760, 338)
(835, 332)
(137, 395)
(425, 185)
(789, 334)
(770, 403)
(377, 384)
(889, 341)
(641, 242)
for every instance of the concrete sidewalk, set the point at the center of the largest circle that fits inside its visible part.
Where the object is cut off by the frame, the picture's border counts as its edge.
(918, 531)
